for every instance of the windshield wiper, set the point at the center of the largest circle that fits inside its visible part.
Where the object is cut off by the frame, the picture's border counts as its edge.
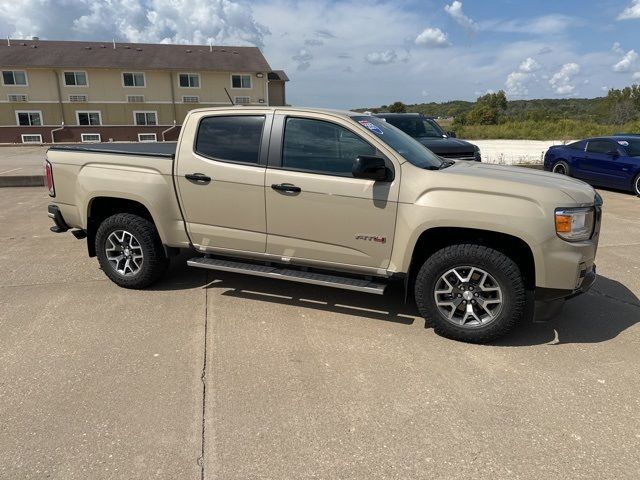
(445, 164)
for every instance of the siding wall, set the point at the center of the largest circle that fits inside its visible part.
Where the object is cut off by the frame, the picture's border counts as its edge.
(107, 94)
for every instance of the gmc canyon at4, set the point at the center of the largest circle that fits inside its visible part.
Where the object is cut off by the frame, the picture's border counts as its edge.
(332, 198)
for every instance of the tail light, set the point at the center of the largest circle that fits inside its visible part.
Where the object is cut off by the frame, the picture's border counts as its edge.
(48, 171)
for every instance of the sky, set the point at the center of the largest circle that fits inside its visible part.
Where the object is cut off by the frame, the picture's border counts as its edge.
(366, 53)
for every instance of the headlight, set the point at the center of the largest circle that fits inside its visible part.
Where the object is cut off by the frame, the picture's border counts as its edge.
(575, 224)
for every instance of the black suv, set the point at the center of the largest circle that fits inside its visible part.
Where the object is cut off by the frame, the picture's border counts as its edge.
(430, 134)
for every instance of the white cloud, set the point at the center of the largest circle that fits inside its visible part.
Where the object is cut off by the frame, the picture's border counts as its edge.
(544, 50)
(165, 21)
(313, 42)
(432, 37)
(381, 58)
(455, 10)
(627, 62)
(617, 48)
(303, 59)
(517, 84)
(529, 65)
(631, 12)
(561, 81)
(636, 76)
(543, 25)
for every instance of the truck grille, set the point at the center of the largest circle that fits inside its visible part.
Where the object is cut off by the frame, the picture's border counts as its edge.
(459, 156)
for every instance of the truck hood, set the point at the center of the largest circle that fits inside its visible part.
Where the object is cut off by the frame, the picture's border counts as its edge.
(446, 145)
(579, 191)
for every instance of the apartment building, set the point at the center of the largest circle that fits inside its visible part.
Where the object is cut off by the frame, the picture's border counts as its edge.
(60, 91)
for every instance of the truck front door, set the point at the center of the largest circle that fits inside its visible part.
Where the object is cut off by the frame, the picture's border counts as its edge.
(316, 209)
(220, 180)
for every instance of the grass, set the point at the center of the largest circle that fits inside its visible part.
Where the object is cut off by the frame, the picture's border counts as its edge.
(543, 130)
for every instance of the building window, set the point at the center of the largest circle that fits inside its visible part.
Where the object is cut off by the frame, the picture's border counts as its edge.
(89, 118)
(147, 137)
(133, 79)
(90, 138)
(14, 77)
(242, 100)
(29, 118)
(240, 81)
(31, 138)
(135, 98)
(145, 118)
(189, 80)
(75, 79)
(78, 98)
(17, 98)
(190, 99)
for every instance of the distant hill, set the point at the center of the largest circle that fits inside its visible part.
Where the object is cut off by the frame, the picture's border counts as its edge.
(591, 109)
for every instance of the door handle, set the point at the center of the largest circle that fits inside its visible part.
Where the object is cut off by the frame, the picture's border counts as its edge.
(286, 187)
(200, 178)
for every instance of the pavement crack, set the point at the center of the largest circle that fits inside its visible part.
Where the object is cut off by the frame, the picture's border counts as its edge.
(203, 376)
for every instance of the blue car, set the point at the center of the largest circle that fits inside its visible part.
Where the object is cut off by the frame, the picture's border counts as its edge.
(604, 161)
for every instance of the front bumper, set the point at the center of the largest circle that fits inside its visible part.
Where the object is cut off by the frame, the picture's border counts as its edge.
(549, 301)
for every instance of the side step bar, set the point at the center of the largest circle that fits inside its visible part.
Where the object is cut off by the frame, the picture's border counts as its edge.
(325, 280)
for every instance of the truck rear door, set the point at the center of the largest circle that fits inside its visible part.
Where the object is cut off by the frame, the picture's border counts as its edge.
(220, 174)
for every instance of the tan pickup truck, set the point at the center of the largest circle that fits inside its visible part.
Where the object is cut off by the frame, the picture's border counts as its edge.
(338, 199)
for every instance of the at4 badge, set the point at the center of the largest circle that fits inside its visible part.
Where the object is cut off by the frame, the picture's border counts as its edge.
(371, 238)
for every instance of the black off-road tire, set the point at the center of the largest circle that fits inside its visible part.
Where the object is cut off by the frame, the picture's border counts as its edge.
(154, 263)
(502, 268)
(561, 168)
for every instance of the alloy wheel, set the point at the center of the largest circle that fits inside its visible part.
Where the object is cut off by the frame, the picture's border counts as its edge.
(124, 252)
(560, 169)
(468, 296)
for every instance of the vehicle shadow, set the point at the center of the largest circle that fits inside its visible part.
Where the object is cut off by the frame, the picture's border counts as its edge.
(600, 315)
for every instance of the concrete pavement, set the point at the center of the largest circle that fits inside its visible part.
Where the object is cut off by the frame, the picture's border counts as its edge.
(222, 376)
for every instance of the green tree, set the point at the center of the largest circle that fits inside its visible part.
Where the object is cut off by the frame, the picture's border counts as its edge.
(622, 106)
(488, 110)
(398, 107)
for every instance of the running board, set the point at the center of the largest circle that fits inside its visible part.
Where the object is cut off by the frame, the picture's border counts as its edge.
(345, 283)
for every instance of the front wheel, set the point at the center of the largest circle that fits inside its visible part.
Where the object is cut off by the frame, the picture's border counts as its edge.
(636, 185)
(561, 168)
(470, 293)
(130, 251)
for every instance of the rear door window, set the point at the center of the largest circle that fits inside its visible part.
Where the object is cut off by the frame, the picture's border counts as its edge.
(231, 138)
(322, 147)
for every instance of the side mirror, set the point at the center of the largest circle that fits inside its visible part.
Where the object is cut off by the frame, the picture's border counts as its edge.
(451, 134)
(371, 168)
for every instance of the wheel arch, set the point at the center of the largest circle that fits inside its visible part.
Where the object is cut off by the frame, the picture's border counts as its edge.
(101, 207)
(434, 239)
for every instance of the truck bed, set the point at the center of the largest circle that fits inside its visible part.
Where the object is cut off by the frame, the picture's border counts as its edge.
(165, 150)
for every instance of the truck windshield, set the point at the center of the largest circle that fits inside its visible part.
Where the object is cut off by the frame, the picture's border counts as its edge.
(417, 127)
(413, 151)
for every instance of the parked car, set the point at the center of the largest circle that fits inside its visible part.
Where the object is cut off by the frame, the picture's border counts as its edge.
(605, 161)
(427, 131)
(337, 199)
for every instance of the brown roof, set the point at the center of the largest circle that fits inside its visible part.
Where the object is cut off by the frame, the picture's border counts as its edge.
(278, 75)
(142, 56)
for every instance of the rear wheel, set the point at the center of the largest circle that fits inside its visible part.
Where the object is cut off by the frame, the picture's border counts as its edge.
(470, 293)
(562, 168)
(636, 185)
(130, 251)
